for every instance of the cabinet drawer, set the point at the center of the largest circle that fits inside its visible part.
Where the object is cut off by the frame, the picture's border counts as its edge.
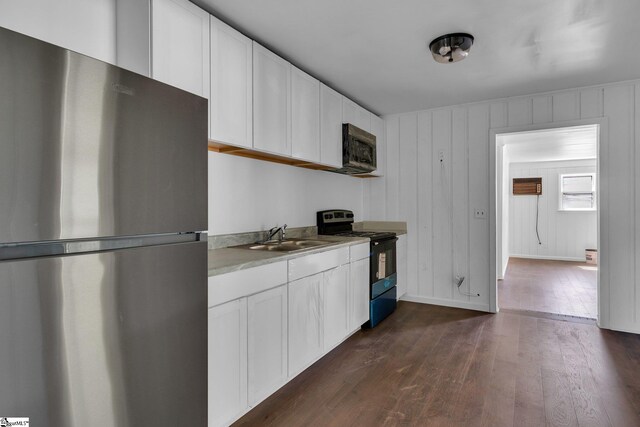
(230, 286)
(360, 251)
(316, 263)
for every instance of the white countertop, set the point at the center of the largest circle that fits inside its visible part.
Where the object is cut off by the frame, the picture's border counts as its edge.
(226, 260)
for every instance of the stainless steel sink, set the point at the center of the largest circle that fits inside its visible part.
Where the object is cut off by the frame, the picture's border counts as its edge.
(288, 245)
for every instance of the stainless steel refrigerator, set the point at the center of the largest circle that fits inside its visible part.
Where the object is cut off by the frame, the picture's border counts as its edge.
(103, 261)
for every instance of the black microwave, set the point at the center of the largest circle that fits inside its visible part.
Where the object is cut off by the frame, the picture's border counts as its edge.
(358, 151)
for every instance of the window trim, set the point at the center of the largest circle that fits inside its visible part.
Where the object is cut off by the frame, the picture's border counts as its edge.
(594, 188)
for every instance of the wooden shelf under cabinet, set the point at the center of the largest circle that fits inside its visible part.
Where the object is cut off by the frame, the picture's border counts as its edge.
(219, 147)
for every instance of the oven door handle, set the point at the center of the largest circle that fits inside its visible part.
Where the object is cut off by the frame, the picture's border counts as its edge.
(395, 239)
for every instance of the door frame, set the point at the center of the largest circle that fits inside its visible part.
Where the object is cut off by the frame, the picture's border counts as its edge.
(495, 227)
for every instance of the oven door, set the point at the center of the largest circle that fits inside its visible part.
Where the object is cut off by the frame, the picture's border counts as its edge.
(383, 266)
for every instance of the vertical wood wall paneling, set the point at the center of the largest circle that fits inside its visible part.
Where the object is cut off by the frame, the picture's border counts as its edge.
(566, 106)
(619, 198)
(618, 106)
(542, 109)
(409, 194)
(377, 190)
(478, 142)
(591, 103)
(520, 111)
(442, 261)
(393, 167)
(425, 205)
(460, 200)
(498, 115)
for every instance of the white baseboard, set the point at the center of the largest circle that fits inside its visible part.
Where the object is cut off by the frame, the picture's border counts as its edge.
(548, 257)
(447, 303)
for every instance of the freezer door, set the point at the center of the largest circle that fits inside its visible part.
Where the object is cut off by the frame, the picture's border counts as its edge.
(90, 150)
(107, 339)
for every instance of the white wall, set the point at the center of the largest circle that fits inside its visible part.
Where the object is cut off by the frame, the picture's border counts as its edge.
(85, 26)
(564, 235)
(417, 191)
(250, 195)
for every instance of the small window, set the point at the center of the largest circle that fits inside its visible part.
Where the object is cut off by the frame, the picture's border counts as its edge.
(578, 192)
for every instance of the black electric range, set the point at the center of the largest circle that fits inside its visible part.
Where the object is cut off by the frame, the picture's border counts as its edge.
(382, 261)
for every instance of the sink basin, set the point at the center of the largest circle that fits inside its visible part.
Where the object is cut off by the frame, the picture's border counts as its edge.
(289, 245)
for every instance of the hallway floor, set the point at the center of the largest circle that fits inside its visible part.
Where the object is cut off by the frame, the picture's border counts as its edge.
(559, 287)
(437, 366)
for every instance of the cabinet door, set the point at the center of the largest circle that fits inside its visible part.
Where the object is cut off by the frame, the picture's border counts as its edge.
(349, 111)
(267, 336)
(180, 45)
(377, 128)
(401, 254)
(336, 306)
(231, 98)
(355, 114)
(363, 119)
(271, 102)
(305, 322)
(330, 127)
(227, 361)
(359, 301)
(305, 116)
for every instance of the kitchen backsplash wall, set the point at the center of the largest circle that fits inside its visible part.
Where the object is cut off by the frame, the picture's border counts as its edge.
(249, 195)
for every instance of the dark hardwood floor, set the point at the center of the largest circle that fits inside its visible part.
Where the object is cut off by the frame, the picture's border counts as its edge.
(437, 366)
(560, 287)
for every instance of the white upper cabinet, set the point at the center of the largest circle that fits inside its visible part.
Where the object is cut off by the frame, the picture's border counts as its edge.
(377, 128)
(330, 127)
(363, 119)
(180, 45)
(356, 115)
(271, 102)
(305, 116)
(231, 98)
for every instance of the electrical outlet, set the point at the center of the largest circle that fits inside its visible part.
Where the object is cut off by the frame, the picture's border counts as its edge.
(479, 213)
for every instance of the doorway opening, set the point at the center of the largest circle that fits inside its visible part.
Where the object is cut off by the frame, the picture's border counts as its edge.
(547, 220)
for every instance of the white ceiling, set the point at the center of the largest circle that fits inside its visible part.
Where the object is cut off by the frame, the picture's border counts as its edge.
(570, 143)
(375, 51)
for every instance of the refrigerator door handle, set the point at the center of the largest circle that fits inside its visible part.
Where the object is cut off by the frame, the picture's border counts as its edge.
(12, 251)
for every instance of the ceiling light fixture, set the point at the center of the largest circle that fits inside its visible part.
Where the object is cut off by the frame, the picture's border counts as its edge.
(451, 47)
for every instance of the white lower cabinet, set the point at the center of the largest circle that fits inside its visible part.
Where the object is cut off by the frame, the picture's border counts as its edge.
(336, 306)
(267, 342)
(359, 298)
(305, 322)
(264, 331)
(227, 371)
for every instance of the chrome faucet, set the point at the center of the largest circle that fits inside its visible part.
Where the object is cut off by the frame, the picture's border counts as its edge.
(275, 230)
